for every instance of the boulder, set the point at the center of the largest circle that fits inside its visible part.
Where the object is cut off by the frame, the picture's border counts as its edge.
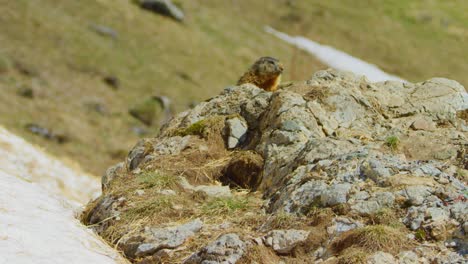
(292, 170)
(163, 7)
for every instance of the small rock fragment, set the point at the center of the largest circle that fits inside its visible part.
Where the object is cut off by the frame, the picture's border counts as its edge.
(283, 241)
(227, 249)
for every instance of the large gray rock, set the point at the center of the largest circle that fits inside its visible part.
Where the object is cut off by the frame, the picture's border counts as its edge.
(417, 194)
(227, 249)
(408, 257)
(155, 239)
(283, 241)
(319, 145)
(381, 258)
(336, 194)
(342, 224)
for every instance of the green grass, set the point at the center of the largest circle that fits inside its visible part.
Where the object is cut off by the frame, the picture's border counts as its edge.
(147, 208)
(156, 180)
(196, 128)
(223, 206)
(393, 142)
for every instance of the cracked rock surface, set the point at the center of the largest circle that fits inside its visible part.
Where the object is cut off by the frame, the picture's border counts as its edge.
(336, 156)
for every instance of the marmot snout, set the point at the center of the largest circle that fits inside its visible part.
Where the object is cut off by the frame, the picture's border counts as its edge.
(264, 73)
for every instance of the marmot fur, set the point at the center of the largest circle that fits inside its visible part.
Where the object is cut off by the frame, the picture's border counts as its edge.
(265, 73)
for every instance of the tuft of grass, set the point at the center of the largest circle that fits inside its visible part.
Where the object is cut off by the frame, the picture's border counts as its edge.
(393, 142)
(386, 216)
(222, 206)
(5, 64)
(283, 220)
(374, 238)
(420, 235)
(154, 179)
(149, 207)
(353, 255)
(196, 128)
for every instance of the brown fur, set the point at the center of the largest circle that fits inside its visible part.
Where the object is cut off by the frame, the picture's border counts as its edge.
(264, 73)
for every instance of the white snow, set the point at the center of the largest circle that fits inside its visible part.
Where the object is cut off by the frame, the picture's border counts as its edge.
(335, 58)
(39, 197)
(18, 157)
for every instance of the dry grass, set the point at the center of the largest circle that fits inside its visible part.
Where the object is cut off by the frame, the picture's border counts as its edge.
(260, 255)
(373, 238)
(154, 179)
(317, 93)
(463, 114)
(225, 206)
(353, 255)
(388, 217)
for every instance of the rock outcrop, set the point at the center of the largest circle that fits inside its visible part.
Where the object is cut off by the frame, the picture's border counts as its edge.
(330, 169)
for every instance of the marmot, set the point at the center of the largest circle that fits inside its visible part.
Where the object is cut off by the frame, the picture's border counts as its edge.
(264, 73)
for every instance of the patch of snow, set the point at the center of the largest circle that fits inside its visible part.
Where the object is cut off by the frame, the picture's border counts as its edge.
(36, 227)
(37, 209)
(22, 159)
(335, 58)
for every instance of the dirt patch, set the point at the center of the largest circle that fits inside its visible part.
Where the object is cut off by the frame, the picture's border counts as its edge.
(261, 255)
(463, 114)
(243, 170)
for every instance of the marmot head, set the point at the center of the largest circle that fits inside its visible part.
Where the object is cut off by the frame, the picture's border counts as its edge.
(267, 66)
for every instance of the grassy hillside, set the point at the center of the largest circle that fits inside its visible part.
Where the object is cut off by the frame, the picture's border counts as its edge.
(50, 46)
(416, 39)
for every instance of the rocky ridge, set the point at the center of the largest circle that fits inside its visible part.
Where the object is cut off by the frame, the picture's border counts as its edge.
(334, 169)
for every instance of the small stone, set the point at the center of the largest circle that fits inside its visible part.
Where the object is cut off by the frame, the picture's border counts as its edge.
(381, 258)
(237, 131)
(375, 170)
(283, 241)
(160, 238)
(417, 194)
(451, 244)
(437, 214)
(423, 124)
(167, 192)
(408, 257)
(366, 207)
(140, 192)
(336, 194)
(258, 241)
(226, 249)
(363, 195)
(342, 224)
(104, 31)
